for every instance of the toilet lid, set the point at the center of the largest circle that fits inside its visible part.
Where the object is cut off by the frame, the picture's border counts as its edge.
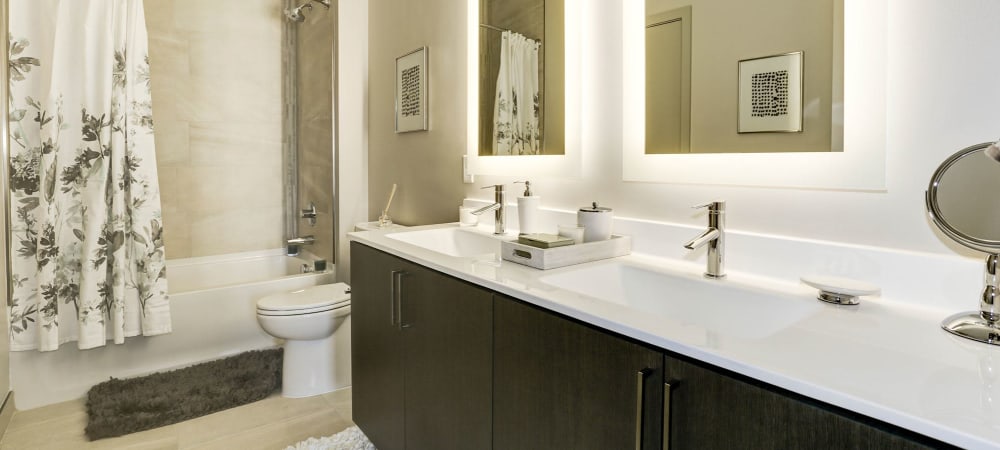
(314, 298)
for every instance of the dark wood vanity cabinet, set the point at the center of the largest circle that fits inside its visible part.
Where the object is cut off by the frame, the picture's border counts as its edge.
(421, 355)
(443, 364)
(559, 384)
(710, 409)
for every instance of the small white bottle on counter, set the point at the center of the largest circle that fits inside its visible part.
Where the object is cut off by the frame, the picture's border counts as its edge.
(527, 210)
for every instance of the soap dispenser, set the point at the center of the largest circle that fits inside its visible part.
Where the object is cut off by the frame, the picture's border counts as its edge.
(527, 210)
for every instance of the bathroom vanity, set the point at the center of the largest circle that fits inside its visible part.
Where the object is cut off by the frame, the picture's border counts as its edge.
(465, 351)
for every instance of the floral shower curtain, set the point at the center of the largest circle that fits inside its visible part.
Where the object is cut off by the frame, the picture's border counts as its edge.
(515, 109)
(87, 260)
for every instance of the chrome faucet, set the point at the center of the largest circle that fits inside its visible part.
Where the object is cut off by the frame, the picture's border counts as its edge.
(715, 237)
(292, 245)
(499, 198)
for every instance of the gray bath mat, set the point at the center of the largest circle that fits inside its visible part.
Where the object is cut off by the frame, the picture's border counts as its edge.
(117, 407)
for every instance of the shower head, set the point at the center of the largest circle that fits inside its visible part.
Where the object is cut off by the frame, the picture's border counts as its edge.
(295, 14)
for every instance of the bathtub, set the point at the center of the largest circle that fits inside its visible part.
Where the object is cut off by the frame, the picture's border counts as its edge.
(212, 301)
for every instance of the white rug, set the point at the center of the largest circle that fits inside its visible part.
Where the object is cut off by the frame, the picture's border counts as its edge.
(349, 439)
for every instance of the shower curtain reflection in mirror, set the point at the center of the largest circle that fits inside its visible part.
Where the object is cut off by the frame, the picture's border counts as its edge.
(515, 108)
(87, 257)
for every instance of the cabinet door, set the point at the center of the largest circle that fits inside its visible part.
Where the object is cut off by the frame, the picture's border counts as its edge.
(559, 384)
(376, 351)
(448, 349)
(711, 410)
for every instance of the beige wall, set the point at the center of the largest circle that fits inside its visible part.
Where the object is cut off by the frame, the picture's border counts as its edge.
(427, 165)
(725, 32)
(216, 74)
(351, 118)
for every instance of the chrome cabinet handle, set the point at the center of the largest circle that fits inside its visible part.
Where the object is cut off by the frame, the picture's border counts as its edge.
(666, 415)
(640, 383)
(394, 300)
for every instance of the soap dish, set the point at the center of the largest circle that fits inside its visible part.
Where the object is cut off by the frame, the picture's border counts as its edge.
(840, 291)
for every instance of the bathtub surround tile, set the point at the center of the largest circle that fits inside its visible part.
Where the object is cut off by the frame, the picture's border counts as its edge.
(169, 54)
(216, 81)
(246, 54)
(227, 15)
(208, 99)
(159, 16)
(172, 143)
(274, 422)
(176, 232)
(235, 230)
(236, 144)
(212, 189)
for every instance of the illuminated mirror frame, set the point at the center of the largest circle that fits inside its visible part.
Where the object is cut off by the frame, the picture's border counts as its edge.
(565, 165)
(861, 166)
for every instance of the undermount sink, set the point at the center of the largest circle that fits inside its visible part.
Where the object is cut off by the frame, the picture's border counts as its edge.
(451, 241)
(716, 305)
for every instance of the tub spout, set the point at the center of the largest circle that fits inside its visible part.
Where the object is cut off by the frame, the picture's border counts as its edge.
(292, 245)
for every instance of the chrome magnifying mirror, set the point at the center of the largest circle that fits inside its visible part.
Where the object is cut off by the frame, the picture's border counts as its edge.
(962, 202)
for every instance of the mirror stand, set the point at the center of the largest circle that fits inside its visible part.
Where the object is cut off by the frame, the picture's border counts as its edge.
(981, 326)
(963, 176)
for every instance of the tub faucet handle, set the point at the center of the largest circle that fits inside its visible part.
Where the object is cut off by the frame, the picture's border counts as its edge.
(310, 214)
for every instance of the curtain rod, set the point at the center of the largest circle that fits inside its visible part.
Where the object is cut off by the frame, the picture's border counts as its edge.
(491, 27)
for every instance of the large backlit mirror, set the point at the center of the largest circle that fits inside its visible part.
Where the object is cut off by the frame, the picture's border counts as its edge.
(523, 72)
(755, 92)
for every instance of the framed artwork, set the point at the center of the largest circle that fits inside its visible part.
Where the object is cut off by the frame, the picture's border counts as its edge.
(770, 94)
(411, 91)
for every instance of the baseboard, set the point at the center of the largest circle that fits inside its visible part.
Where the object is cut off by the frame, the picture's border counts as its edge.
(6, 412)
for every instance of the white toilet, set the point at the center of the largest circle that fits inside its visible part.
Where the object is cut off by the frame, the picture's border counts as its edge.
(315, 324)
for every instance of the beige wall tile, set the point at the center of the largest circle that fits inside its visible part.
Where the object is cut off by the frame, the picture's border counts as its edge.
(253, 55)
(172, 143)
(208, 99)
(236, 144)
(216, 80)
(217, 233)
(226, 15)
(218, 189)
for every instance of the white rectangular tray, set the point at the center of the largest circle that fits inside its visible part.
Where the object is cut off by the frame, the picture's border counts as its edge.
(551, 258)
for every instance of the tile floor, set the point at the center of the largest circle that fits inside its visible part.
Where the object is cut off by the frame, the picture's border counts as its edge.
(272, 423)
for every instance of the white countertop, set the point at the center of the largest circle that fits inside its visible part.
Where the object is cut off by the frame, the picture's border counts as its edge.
(886, 359)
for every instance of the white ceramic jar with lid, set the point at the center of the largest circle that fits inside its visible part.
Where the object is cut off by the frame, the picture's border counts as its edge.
(596, 222)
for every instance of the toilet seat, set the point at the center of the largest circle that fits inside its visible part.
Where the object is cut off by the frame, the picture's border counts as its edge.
(315, 299)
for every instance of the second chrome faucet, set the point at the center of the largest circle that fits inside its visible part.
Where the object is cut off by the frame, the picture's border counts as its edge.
(499, 199)
(715, 238)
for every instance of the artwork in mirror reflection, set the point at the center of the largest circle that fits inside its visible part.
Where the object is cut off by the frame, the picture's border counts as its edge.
(693, 50)
(520, 70)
